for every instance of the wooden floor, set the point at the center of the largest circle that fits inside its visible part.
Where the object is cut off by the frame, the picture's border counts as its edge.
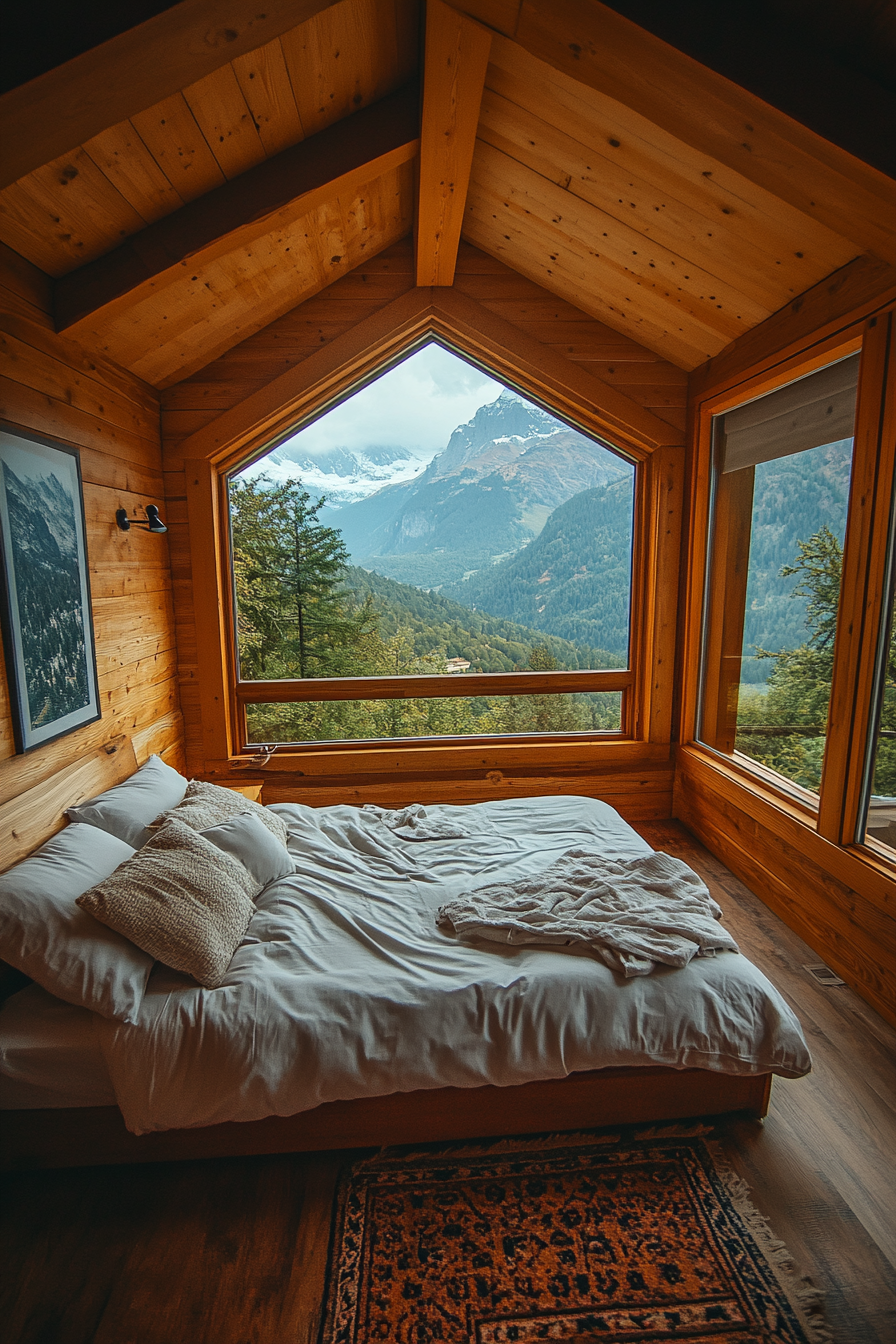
(234, 1251)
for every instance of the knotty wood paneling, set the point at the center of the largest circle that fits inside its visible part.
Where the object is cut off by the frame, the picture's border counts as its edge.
(636, 778)
(81, 205)
(608, 208)
(825, 893)
(168, 334)
(52, 387)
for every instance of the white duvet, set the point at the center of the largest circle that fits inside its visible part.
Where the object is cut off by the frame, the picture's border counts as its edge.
(345, 987)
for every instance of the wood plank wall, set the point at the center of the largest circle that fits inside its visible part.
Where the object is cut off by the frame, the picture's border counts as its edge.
(636, 779)
(51, 386)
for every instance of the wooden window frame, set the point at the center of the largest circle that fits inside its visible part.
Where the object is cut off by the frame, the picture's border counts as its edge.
(834, 812)
(646, 684)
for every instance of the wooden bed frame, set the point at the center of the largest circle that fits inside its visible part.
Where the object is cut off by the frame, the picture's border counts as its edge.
(88, 1136)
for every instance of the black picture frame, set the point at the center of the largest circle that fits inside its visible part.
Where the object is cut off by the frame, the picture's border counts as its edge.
(45, 607)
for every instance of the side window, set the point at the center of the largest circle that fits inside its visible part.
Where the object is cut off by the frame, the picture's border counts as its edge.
(436, 529)
(781, 474)
(877, 820)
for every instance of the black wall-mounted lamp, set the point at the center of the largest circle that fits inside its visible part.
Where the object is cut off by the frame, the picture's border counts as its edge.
(152, 521)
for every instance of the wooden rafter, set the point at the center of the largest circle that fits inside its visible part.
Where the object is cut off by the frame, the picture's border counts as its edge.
(456, 59)
(343, 156)
(52, 114)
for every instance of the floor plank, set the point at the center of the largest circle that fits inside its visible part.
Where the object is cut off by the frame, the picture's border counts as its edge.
(234, 1251)
(821, 1166)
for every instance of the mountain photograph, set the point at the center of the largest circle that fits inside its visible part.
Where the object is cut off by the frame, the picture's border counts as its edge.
(41, 546)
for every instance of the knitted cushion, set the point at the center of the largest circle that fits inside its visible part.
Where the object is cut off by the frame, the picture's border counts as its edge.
(206, 805)
(182, 900)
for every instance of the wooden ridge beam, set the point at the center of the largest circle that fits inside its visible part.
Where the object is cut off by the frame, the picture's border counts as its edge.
(59, 110)
(456, 59)
(604, 51)
(347, 154)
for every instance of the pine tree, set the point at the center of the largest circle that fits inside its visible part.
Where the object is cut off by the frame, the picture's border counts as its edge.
(799, 688)
(294, 616)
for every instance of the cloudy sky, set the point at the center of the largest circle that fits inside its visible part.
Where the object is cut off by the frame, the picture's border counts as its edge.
(414, 406)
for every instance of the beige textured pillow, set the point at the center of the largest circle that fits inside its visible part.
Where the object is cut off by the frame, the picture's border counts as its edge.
(181, 899)
(206, 805)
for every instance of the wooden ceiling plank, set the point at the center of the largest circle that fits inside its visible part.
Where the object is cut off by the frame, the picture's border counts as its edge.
(343, 60)
(602, 49)
(606, 299)
(131, 72)
(504, 345)
(500, 15)
(172, 335)
(455, 62)
(865, 286)
(264, 81)
(222, 115)
(326, 372)
(172, 136)
(353, 151)
(63, 214)
(719, 248)
(696, 180)
(676, 281)
(122, 157)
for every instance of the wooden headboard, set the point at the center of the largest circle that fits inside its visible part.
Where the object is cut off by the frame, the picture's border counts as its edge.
(30, 819)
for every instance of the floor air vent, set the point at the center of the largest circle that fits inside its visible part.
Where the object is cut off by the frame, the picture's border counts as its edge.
(824, 975)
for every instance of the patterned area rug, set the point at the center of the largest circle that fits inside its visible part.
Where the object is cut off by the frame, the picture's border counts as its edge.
(572, 1239)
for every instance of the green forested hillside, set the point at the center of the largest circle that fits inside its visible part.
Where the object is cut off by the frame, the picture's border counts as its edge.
(490, 643)
(573, 581)
(792, 498)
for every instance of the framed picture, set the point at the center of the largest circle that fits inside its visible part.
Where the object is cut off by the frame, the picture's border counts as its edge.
(45, 602)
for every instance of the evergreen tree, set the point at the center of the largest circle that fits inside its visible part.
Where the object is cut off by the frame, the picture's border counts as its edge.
(785, 729)
(294, 617)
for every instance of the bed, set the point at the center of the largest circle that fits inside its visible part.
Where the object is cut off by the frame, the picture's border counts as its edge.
(347, 1017)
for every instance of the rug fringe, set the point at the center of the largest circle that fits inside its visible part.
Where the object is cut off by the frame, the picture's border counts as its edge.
(807, 1300)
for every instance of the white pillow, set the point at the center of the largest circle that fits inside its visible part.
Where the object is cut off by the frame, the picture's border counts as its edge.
(44, 934)
(127, 809)
(247, 839)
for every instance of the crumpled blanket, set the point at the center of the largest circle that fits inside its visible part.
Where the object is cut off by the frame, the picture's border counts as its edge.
(633, 913)
(414, 823)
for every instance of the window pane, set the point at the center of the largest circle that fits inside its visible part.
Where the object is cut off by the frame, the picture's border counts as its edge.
(435, 522)
(463, 716)
(880, 820)
(780, 493)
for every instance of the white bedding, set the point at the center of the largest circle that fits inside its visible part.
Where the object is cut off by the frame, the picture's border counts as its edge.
(344, 986)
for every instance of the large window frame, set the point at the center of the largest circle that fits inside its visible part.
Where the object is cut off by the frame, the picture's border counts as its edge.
(296, 690)
(647, 692)
(834, 812)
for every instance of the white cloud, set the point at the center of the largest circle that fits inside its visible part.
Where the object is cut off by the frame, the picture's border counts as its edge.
(414, 406)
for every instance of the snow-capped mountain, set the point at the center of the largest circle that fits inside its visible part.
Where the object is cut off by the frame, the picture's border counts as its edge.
(486, 494)
(508, 419)
(341, 475)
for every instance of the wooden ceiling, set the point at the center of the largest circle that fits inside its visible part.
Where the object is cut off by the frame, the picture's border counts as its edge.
(276, 156)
